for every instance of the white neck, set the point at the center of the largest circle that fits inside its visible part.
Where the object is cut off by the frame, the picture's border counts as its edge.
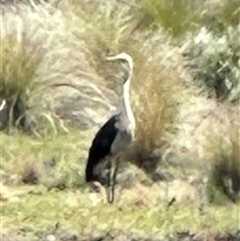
(126, 102)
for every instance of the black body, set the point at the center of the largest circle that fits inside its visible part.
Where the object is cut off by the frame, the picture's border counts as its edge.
(101, 146)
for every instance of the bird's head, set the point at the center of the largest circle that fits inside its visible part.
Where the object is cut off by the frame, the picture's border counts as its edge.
(126, 61)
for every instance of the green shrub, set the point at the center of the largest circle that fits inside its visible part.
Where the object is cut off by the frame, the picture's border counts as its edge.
(218, 15)
(177, 16)
(214, 60)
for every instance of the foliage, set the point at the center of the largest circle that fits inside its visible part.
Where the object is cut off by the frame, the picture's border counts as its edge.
(224, 177)
(225, 173)
(214, 60)
(18, 68)
(183, 16)
(19, 65)
(23, 84)
(176, 16)
(156, 111)
(221, 13)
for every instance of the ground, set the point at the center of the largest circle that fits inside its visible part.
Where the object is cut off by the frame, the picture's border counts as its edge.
(60, 206)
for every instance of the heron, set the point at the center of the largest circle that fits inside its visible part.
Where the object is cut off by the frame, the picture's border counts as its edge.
(117, 134)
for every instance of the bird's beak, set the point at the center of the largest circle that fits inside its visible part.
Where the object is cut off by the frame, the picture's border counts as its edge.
(111, 58)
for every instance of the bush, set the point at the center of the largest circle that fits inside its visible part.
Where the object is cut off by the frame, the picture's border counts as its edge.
(214, 61)
(224, 181)
(155, 110)
(218, 15)
(176, 16)
(213, 48)
(18, 69)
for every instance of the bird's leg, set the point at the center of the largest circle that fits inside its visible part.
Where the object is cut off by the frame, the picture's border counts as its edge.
(114, 179)
(113, 176)
(109, 175)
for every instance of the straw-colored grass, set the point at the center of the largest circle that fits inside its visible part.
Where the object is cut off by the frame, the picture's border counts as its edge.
(19, 65)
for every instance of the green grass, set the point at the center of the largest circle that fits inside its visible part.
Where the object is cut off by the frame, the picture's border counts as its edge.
(36, 209)
(179, 17)
(176, 16)
(41, 211)
(21, 153)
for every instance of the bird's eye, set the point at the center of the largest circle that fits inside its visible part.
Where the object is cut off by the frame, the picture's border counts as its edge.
(123, 62)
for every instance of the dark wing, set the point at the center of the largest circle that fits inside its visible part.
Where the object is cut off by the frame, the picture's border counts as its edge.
(101, 146)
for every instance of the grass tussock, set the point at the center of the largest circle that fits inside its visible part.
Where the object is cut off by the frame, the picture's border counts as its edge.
(225, 172)
(20, 88)
(64, 71)
(156, 111)
(106, 26)
(19, 67)
(20, 62)
(213, 58)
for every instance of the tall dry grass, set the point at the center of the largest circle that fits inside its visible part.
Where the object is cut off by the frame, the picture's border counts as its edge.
(18, 71)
